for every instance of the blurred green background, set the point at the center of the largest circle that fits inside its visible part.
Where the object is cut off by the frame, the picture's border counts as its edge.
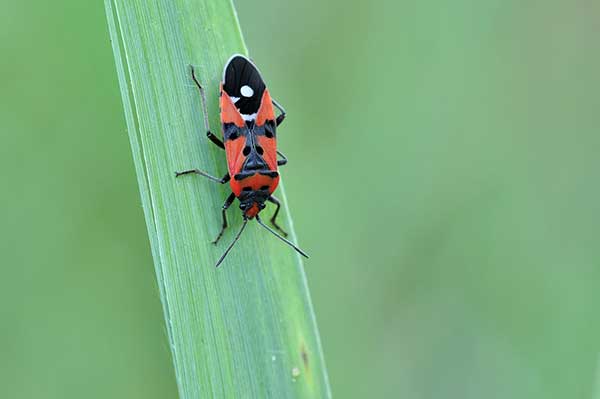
(444, 167)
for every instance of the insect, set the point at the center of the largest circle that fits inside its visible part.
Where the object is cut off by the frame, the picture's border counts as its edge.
(249, 125)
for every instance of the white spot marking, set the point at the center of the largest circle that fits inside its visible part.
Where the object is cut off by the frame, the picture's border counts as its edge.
(250, 117)
(247, 91)
(235, 99)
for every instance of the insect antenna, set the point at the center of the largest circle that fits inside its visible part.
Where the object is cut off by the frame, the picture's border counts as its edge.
(301, 252)
(232, 243)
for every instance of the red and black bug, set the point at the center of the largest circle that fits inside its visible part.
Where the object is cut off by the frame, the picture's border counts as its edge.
(249, 125)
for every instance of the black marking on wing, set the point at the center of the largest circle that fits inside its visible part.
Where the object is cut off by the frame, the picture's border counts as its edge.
(254, 154)
(269, 129)
(240, 72)
(232, 132)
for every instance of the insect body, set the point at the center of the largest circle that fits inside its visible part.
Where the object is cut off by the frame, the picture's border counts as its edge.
(249, 127)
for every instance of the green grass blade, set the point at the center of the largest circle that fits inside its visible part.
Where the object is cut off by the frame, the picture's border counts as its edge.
(247, 329)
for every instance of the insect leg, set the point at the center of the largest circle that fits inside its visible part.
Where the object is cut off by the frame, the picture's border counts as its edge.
(283, 161)
(215, 139)
(209, 134)
(275, 201)
(222, 180)
(281, 117)
(226, 205)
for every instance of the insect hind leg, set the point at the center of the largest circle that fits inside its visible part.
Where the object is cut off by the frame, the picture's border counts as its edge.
(281, 116)
(282, 161)
(209, 134)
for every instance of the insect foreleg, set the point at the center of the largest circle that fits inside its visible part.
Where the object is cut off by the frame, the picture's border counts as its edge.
(275, 201)
(226, 205)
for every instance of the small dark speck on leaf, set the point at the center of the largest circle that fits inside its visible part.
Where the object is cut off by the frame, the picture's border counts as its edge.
(304, 355)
